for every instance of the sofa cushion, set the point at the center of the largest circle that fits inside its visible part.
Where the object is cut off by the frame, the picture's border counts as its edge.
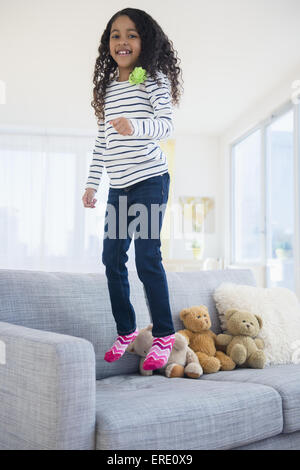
(290, 441)
(135, 412)
(285, 379)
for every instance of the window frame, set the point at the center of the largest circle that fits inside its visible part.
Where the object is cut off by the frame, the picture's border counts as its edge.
(262, 126)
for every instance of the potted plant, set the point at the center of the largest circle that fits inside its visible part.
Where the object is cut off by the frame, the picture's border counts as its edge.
(197, 249)
(283, 250)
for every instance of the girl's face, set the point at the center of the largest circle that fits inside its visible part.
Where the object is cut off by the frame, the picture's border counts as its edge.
(124, 37)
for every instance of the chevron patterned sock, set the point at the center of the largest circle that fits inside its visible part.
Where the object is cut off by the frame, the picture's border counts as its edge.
(159, 352)
(119, 347)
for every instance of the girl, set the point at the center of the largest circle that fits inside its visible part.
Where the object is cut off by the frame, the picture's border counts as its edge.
(135, 73)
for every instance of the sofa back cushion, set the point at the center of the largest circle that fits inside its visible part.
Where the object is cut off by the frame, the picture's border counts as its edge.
(78, 304)
(197, 288)
(75, 304)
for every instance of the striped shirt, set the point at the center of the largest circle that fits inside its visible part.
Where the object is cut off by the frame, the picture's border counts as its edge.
(129, 159)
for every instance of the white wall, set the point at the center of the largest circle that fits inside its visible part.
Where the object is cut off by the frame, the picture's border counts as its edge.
(197, 173)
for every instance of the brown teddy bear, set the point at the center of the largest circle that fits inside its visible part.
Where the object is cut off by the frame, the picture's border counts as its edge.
(197, 322)
(182, 360)
(240, 339)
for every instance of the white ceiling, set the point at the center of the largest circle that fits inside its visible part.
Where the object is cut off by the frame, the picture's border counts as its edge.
(233, 53)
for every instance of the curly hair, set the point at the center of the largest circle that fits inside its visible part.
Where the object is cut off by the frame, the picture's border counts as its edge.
(157, 55)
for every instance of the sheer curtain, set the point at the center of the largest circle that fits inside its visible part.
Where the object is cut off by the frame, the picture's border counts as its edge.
(43, 224)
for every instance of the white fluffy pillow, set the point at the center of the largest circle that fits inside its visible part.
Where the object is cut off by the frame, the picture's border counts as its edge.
(279, 309)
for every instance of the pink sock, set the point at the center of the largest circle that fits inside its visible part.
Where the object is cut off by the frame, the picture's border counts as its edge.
(119, 347)
(159, 353)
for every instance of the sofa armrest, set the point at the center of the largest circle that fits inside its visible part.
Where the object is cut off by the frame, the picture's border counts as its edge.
(47, 390)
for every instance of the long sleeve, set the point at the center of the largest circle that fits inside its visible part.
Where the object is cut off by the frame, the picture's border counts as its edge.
(96, 167)
(161, 126)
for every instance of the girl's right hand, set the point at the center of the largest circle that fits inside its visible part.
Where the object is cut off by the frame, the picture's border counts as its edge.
(88, 198)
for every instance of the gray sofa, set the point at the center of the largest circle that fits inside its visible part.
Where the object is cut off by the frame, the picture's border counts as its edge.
(57, 392)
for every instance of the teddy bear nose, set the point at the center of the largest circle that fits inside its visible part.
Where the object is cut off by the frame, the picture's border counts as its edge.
(248, 326)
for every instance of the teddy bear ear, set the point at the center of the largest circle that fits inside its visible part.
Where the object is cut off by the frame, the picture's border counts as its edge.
(184, 313)
(259, 319)
(204, 306)
(230, 312)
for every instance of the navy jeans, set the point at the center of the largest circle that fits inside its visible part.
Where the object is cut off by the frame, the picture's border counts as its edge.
(151, 192)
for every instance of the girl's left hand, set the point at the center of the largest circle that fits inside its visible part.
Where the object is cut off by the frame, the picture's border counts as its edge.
(122, 125)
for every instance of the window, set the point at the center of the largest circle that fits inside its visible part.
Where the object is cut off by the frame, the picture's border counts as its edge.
(280, 198)
(247, 199)
(264, 199)
(43, 222)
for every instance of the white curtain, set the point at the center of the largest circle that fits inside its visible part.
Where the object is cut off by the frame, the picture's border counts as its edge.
(43, 224)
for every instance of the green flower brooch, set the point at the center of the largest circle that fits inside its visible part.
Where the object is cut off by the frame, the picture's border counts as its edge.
(138, 75)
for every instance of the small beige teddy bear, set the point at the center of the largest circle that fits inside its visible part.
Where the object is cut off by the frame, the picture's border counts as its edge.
(240, 339)
(182, 359)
